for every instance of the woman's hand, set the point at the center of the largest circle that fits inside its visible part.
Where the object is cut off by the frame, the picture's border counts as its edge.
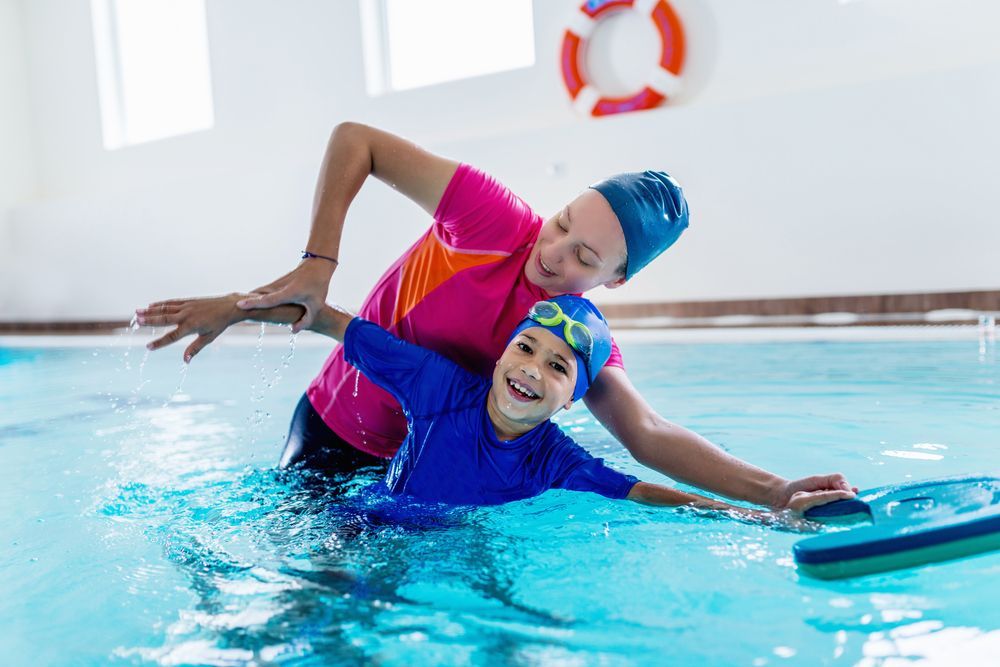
(207, 317)
(801, 494)
(306, 285)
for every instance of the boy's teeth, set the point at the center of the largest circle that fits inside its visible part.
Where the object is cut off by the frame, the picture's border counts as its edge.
(524, 391)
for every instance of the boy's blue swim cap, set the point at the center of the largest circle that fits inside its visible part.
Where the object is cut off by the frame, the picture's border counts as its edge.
(586, 313)
(652, 210)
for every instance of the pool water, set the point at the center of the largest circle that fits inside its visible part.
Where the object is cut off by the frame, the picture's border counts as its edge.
(142, 521)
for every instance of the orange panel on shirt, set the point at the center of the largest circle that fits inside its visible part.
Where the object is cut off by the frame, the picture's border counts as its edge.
(430, 265)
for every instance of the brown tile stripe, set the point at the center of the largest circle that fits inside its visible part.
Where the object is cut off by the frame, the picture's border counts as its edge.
(63, 327)
(79, 327)
(986, 300)
(870, 305)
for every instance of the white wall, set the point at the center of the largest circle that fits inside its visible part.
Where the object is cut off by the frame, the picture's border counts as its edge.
(17, 168)
(826, 148)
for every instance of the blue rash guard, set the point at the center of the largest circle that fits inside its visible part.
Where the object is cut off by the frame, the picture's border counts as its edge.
(451, 453)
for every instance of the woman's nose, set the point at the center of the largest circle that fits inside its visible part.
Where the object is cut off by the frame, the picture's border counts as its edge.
(558, 252)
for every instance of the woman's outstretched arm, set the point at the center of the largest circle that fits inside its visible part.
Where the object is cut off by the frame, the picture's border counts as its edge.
(684, 455)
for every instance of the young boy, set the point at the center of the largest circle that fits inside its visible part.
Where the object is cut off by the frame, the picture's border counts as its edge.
(478, 441)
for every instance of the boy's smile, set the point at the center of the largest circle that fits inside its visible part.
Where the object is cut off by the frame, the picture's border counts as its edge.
(533, 380)
(521, 391)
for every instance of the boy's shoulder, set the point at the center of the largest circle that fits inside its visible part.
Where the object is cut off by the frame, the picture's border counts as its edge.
(419, 378)
(549, 434)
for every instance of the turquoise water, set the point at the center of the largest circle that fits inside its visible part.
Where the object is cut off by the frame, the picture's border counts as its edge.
(142, 522)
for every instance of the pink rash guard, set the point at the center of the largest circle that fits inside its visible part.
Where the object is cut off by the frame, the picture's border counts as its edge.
(459, 290)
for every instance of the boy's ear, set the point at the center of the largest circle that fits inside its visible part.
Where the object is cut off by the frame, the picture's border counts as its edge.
(614, 284)
(568, 405)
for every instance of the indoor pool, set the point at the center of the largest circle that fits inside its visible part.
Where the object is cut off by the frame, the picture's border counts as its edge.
(143, 521)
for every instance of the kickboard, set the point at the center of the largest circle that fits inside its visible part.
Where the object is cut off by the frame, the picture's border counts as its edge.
(907, 525)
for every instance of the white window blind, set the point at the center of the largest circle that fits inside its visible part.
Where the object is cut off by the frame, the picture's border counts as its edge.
(153, 69)
(410, 44)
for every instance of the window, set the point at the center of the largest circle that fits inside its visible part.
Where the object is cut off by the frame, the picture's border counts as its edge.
(411, 44)
(152, 69)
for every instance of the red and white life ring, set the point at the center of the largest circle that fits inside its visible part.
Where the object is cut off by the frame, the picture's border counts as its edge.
(666, 78)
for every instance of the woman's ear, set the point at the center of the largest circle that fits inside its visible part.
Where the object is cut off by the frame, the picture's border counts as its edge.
(613, 284)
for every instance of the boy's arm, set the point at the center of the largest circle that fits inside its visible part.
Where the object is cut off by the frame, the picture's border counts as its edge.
(210, 316)
(664, 496)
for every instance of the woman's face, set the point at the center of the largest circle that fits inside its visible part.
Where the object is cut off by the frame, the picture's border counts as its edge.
(580, 247)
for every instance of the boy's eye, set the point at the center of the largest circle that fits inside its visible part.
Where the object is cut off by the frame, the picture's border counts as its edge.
(523, 347)
(559, 367)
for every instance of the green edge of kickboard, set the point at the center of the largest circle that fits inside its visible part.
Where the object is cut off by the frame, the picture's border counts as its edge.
(883, 563)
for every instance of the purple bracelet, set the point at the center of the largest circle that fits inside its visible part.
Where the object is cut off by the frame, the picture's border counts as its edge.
(308, 255)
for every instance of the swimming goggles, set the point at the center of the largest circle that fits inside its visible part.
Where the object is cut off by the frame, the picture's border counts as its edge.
(549, 314)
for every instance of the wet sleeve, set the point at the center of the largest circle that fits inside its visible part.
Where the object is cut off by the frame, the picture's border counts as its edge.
(478, 212)
(577, 470)
(412, 374)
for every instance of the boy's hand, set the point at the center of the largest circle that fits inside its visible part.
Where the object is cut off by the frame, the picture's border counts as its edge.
(206, 317)
(801, 494)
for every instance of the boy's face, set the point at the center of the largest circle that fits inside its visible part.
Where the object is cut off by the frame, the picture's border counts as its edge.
(534, 377)
(580, 247)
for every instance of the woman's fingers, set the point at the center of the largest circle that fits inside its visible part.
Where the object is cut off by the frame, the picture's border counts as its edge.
(823, 483)
(275, 285)
(837, 481)
(264, 300)
(305, 284)
(805, 500)
(305, 321)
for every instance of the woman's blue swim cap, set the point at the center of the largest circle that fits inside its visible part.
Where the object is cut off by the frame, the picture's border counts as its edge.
(587, 314)
(652, 210)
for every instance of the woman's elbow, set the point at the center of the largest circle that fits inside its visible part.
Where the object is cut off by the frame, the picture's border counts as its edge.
(641, 440)
(348, 129)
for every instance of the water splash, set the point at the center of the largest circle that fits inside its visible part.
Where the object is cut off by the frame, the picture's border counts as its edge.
(286, 361)
(142, 368)
(133, 326)
(987, 337)
(256, 396)
(258, 416)
(178, 395)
